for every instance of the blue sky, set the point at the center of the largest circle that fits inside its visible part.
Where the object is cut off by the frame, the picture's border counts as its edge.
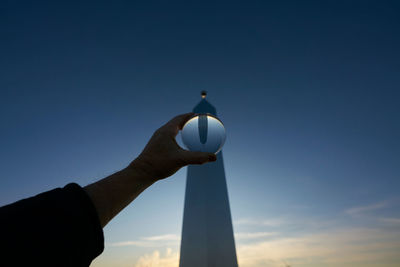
(308, 92)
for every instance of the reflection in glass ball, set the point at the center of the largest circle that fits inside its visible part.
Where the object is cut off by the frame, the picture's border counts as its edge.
(204, 133)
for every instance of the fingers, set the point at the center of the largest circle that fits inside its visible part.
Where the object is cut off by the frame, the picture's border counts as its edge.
(176, 124)
(193, 157)
(180, 120)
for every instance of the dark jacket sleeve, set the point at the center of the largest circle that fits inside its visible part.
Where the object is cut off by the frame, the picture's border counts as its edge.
(56, 228)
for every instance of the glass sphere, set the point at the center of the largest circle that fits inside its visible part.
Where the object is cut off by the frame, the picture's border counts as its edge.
(204, 133)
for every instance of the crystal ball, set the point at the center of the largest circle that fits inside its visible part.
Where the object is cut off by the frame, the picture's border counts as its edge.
(204, 133)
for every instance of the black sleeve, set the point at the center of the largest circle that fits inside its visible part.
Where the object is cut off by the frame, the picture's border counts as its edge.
(56, 228)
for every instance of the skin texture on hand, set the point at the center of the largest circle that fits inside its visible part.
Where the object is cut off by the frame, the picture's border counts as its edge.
(160, 158)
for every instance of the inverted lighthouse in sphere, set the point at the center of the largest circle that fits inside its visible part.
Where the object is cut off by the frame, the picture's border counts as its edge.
(207, 233)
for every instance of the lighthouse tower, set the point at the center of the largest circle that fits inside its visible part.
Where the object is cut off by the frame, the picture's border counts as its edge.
(207, 233)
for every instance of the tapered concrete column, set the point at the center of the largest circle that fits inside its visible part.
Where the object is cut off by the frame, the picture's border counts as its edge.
(207, 233)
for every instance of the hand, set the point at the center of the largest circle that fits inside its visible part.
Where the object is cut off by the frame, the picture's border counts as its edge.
(162, 156)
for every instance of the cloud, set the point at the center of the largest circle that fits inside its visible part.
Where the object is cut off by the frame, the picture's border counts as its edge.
(263, 222)
(155, 259)
(339, 247)
(167, 237)
(131, 243)
(391, 221)
(285, 222)
(255, 235)
(306, 241)
(150, 241)
(357, 211)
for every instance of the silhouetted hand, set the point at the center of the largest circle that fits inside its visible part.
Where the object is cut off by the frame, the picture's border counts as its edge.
(162, 156)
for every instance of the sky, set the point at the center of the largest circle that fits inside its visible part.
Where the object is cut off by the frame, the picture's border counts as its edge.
(308, 92)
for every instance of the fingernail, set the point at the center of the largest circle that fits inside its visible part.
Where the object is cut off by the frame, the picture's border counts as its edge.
(212, 157)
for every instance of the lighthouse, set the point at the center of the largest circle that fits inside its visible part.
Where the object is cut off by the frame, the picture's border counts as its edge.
(207, 232)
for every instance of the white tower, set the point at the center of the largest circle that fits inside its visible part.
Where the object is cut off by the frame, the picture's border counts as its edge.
(207, 233)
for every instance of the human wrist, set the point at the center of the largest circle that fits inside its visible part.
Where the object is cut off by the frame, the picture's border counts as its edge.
(141, 170)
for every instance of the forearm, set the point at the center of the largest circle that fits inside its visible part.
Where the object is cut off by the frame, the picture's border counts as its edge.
(161, 158)
(113, 193)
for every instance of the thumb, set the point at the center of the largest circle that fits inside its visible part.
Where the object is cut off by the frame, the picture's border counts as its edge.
(194, 157)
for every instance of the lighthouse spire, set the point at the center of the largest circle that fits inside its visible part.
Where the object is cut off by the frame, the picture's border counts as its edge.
(204, 107)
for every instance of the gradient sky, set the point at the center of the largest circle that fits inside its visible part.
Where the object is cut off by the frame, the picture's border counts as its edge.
(308, 92)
